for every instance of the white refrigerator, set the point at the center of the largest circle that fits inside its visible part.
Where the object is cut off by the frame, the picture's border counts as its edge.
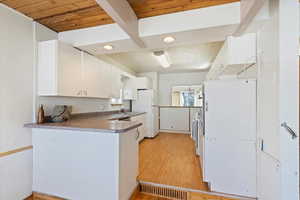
(146, 102)
(229, 146)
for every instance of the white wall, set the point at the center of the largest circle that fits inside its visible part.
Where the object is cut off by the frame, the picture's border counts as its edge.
(43, 33)
(16, 94)
(168, 80)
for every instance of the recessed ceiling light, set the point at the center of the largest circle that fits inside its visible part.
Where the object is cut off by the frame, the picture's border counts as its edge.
(108, 47)
(169, 39)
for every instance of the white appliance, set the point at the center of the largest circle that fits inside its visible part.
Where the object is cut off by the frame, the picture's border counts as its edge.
(229, 145)
(146, 102)
(201, 138)
(195, 133)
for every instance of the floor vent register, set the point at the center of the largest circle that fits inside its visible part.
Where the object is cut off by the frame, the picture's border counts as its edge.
(161, 191)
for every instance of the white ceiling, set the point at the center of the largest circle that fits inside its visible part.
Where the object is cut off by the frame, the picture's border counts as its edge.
(183, 58)
(206, 35)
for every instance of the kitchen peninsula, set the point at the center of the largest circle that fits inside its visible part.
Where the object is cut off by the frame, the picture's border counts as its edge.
(89, 156)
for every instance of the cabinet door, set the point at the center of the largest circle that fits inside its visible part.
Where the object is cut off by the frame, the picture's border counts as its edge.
(106, 81)
(142, 129)
(95, 73)
(69, 71)
(130, 89)
(116, 83)
(47, 65)
(92, 74)
(176, 119)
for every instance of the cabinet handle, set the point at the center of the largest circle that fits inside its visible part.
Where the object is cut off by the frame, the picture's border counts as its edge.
(138, 134)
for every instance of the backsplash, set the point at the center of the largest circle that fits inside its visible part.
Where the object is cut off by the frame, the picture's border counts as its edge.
(80, 105)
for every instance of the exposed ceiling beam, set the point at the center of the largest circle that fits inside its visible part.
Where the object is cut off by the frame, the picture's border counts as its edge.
(249, 9)
(122, 13)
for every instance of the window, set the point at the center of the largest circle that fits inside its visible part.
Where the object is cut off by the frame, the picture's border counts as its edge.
(187, 95)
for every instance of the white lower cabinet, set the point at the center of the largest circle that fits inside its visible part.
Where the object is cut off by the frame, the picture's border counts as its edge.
(85, 165)
(142, 129)
(176, 119)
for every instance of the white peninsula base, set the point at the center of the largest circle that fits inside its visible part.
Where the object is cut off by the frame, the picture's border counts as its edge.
(80, 165)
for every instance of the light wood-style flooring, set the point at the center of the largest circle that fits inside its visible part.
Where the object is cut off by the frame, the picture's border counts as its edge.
(170, 159)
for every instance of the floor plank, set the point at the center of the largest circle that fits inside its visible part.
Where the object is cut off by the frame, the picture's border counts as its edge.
(170, 159)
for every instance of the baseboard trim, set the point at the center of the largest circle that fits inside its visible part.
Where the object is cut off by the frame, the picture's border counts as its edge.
(7, 153)
(176, 132)
(135, 192)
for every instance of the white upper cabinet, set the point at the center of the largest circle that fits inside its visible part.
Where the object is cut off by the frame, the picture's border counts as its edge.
(130, 89)
(116, 79)
(95, 79)
(133, 84)
(66, 71)
(59, 69)
(237, 54)
(143, 83)
(240, 50)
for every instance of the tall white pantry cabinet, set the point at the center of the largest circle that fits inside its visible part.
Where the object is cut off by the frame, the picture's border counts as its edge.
(66, 71)
(230, 146)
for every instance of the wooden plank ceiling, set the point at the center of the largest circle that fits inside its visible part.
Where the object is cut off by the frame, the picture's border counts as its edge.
(63, 15)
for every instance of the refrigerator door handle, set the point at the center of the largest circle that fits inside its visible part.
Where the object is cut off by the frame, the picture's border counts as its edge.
(289, 130)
